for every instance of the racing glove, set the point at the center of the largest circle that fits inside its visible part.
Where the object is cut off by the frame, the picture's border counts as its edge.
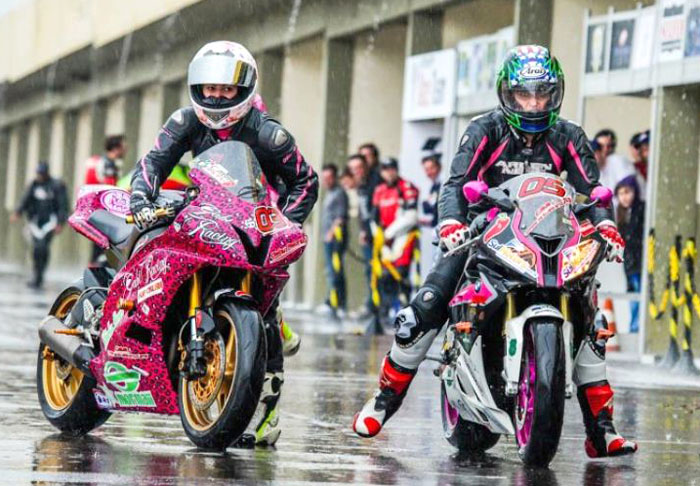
(616, 244)
(452, 234)
(143, 210)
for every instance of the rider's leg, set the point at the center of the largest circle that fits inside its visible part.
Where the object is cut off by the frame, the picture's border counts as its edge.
(267, 429)
(595, 395)
(416, 327)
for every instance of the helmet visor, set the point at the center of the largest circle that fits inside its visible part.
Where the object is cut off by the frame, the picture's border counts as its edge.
(532, 98)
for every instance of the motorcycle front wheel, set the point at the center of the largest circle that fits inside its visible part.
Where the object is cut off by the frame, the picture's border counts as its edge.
(65, 393)
(216, 408)
(538, 413)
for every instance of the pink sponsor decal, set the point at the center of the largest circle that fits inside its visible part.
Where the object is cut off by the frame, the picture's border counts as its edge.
(116, 202)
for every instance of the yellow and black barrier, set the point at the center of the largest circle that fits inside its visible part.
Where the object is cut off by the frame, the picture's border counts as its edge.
(334, 298)
(678, 359)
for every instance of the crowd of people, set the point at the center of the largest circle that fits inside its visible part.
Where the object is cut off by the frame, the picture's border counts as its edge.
(390, 212)
(627, 176)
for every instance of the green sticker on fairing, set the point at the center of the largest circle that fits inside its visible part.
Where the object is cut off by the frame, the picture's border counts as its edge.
(127, 381)
(109, 330)
(512, 347)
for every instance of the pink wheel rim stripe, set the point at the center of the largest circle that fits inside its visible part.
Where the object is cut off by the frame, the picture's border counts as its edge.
(450, 412)
(526, 398)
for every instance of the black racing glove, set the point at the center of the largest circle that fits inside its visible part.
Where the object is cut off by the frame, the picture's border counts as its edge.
(143, 210)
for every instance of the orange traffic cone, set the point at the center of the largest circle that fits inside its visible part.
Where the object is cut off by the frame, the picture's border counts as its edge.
(613, 344)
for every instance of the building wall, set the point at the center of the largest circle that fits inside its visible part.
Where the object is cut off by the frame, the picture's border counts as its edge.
(56, 144)
(151, 118)
(475, 18)
(377, 89)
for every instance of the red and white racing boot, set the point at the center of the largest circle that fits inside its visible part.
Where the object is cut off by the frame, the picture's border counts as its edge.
(596, 400)
(393, 384)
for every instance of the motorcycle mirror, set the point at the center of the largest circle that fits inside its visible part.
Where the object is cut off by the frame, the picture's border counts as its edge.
(602, 196)
(500, 198)
(474, 191)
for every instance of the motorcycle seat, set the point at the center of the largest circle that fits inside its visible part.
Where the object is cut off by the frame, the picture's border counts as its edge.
(112, 226)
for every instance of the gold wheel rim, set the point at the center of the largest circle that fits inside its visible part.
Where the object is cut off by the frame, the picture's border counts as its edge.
(204, 400)
(61, 380)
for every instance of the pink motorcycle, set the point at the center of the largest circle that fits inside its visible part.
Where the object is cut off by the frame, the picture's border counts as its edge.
(174, 324)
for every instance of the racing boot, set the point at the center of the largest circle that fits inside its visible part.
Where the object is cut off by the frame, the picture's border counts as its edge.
(268, 430)
(393, 384)
(290, 340)
(596, 401)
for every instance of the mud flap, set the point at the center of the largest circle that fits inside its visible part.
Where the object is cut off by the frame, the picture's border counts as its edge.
(468, 391)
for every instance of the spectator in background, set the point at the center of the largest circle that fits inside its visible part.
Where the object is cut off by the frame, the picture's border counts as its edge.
(395, 211)
(371, 154)
(104, 169)
(347, 182)
(432, 167)
(45, 205)
(639, 149)
(357, 164)
(630, 222)
(334, 218)
(613, 167)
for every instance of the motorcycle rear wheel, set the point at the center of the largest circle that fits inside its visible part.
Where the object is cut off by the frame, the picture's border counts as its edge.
(538, 413)
(65, 393)
(462, 434)
(216, 409)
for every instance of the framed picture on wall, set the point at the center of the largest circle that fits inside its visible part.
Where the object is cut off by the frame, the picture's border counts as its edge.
(692, 30)
(595, 51)
(621, 44)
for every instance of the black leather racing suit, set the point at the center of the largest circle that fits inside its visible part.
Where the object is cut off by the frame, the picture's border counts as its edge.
(492, 151)
(273, 146)
(279, 159)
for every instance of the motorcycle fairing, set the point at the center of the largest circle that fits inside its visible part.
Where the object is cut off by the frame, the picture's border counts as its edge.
(468, 391)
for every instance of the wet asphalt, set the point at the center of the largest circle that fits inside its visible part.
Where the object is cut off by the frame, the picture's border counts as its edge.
(325, 384)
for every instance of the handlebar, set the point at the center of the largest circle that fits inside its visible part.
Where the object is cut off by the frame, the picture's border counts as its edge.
(160, 214)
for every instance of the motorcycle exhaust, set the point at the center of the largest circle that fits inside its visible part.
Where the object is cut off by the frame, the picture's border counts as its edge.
(68, 347)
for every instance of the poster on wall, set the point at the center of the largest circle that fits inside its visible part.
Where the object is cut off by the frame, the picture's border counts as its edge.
(692, 30)
(643, 50)
(595, 52)
(621, 45)
(429, 85)
(671, 30)
(479, 60)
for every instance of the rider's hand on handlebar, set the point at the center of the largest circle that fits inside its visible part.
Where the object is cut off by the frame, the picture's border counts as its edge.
(142, 210)
(452, 234)
(616, 244)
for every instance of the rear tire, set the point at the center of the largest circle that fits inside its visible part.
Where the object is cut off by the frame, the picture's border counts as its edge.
(544, 410)
(462, 434)
(216, 410)
(65, 393)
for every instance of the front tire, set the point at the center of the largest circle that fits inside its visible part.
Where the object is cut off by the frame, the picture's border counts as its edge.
(216, 409)
(538, 413)
(65, 393)
(462, 434)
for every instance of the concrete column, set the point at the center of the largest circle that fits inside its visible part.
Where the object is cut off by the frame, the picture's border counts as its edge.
(533, 21)
(270, 64)
(55, 143)
(424, 32)
(45, 132)
(151, 117)
(16, 248)
(98, 120)
(32, 158)
(69, 247)
(171, 98)
(132, 116)
(4, 213)
(114, 116)
(676, 198)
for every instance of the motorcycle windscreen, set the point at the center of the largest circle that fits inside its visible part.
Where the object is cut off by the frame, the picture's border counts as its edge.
(233, 165)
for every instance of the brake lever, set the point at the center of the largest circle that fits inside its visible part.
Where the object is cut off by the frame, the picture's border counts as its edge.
(463, 247)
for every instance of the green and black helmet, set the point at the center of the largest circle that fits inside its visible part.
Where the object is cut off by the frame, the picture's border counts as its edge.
(530, 87)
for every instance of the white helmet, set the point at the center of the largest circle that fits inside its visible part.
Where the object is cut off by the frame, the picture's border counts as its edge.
(222, 62)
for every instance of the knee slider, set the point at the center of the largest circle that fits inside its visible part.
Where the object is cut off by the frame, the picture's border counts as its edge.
(411, 340)
(589, 365)
(430, 306)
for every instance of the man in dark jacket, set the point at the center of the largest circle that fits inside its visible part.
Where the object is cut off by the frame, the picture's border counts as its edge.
(523, 135)
(45, 205)
(222, 79)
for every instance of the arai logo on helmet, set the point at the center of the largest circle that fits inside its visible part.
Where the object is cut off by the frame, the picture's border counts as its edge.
(533, 70)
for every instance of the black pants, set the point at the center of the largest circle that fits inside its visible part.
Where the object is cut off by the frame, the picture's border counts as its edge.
(275, 358)
(40, 255)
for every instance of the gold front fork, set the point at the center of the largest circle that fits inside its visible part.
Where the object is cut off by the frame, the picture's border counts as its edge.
(564, 306)
(195, 294)
(246, 282)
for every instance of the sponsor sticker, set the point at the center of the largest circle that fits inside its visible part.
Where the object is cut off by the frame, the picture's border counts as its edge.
(106, 336)
(269, 219)
(126, 382)
(116, 202)
(497, 227)
(278, 254)
(126, 353)
(153, 288)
